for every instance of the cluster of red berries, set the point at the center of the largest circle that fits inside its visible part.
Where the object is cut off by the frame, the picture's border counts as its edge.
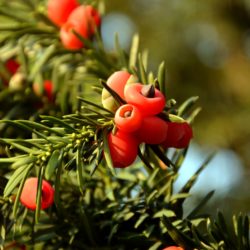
(69, 16)
(29, 194)
(12, 66)
(138, 120)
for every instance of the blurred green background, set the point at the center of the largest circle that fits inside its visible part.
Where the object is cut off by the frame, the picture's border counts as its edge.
(206, 47)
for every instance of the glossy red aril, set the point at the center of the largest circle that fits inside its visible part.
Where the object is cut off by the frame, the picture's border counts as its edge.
(123, 149)
(152, 131)
(116, 82)
(83, 20)
(149, 104)
(178, 136)
(173, 248)
(29, 194)
(128, 118)
(59, 10)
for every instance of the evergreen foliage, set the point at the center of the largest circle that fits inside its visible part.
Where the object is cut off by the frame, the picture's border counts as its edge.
(64, 141)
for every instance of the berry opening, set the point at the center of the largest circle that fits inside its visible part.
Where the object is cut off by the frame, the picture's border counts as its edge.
(128, 118)
(148, 91)
(126, 111)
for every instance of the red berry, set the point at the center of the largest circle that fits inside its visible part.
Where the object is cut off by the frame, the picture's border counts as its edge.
(59, 10)
(147, 105)
(12, 66)
(117, 82)
(173, 248)
(29, 192)
(48, 88)
(128, 118)
(82, 20)
(153, 130)
(178, 136)
(123, 149)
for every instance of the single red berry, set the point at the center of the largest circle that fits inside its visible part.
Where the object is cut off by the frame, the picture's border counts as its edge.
(12, 66)
(59, 10)
(173, 248)
(152, 131)
(148, 105)
(178, 136)
(29, 193)
(128, 118)
(117, 82)
(48, 88)
(123, 149)
(82, 20)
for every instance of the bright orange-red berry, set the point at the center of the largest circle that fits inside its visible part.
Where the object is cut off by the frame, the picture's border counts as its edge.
(128, 118)
(29, 194)
(59, 10)
(148, 105)
(117, 82)
(83, 20)
(123, 149)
